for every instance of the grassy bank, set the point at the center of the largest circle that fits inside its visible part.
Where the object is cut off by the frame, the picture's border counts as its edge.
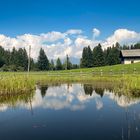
(14, 82)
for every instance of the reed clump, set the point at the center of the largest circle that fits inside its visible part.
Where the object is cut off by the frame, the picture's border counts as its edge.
(21, 82)
(15, 84)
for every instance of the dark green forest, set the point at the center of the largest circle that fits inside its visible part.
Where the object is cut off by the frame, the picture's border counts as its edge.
(17, 60)
(99, 57)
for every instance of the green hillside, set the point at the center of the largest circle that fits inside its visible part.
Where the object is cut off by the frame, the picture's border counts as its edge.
(116, 69)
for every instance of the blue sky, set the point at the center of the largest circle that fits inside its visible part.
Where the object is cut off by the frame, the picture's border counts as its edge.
(63, 27)
(39, 16)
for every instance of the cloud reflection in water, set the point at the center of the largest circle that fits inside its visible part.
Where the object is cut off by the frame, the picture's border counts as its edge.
(68, 96)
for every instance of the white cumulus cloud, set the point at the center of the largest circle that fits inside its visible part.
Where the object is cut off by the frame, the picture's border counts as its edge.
(53, 36)
(80, 42)
(123, 36)
(58, 44)
(96, 33)
(74, 31)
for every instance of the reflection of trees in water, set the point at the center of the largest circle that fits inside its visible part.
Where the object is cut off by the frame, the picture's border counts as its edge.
(135, 93)
(130, 125)
(12, 99)
(88, 89)
(99, 91)
(109, 89)
(43, 90)
(100, 88)
(68, 86)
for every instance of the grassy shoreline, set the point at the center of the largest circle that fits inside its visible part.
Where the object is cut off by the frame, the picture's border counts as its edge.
(14, 82)
(23, 83)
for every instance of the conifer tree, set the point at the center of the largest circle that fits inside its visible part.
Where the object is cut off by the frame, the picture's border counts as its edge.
(58, 64)
(43, 62)
(87, 58)
(98, 56)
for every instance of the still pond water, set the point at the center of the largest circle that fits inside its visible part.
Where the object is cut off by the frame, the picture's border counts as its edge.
(70, 112)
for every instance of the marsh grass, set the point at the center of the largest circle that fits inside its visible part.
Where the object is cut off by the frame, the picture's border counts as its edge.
(15, 84)
(21, 82)
(12, 99)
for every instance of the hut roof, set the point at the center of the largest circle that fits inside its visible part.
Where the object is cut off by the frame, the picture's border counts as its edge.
(131, 53)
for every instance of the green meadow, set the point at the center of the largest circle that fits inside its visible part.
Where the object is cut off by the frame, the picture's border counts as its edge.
(122, 78)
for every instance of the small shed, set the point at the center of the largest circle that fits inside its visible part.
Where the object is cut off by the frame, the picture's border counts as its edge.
(130, 56)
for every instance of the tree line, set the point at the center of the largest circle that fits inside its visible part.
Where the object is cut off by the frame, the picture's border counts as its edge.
(17, 60)
(43, 63)
(99, 57)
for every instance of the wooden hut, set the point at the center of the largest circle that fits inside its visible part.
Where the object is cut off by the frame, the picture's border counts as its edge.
(130, 56)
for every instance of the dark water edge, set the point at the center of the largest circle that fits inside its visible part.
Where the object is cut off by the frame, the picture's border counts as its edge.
(70, 111)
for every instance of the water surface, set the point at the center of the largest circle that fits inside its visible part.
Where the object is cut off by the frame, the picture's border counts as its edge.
(72, 112)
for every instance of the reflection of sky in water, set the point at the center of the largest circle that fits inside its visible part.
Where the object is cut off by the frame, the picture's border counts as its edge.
(75, 111)
(71, 97)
